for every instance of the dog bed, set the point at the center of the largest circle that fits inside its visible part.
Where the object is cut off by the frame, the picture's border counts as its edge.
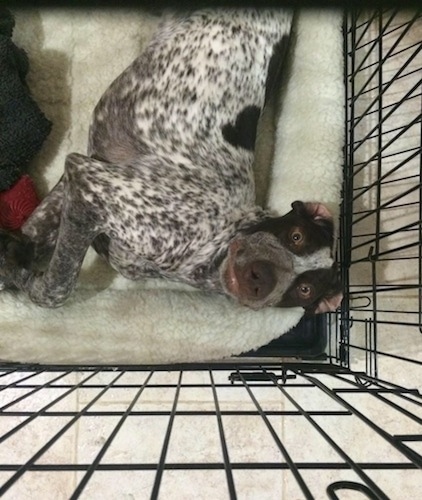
(108, 319)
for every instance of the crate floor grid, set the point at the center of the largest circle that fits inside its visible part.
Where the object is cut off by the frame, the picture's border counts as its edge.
(207, 430)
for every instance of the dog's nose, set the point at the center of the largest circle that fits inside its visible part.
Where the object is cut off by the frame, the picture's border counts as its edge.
(260, 278)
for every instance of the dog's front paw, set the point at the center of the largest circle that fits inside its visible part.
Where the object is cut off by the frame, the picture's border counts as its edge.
(16, 251)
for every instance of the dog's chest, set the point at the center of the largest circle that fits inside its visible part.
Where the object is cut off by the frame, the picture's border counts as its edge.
(174, 225)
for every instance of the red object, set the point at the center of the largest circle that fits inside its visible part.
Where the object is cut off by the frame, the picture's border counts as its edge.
(17, 203)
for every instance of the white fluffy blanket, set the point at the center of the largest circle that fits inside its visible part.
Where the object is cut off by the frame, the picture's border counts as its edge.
(108, 319)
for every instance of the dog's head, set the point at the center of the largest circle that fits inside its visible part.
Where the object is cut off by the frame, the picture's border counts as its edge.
(285, 261)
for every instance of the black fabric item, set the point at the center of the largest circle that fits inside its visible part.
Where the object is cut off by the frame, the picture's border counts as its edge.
(7, 23)
(23, 126)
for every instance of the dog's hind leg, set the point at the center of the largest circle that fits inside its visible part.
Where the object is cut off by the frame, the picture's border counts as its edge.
(79, 225)
(42, 226)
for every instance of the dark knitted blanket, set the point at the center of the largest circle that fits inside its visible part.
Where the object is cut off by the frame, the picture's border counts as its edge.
(23, 126)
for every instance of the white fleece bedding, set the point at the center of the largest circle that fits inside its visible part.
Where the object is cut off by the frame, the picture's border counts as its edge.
(74, 55)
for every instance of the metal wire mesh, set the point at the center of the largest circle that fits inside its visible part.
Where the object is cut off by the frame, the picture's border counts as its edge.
(382, 208)
(160, 430)
(273, 429)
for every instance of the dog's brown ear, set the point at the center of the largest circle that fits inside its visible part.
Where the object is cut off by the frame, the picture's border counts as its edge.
(318, 211)
(329, 304)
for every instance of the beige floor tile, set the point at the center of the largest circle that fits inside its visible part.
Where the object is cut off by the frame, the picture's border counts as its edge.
(258, 484)
(140, 440)
(193, 485)
(28, 440)
(93, 433)
(121, 485)
(191, 398)
(195, 439)
(42, 486)
(317, 482)
(116, 399)
(249, 439)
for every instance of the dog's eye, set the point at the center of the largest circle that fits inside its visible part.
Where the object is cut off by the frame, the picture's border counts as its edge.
(305, 291)
(296, 236)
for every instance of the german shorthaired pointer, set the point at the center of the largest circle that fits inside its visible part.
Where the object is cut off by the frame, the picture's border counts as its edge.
(167, 189)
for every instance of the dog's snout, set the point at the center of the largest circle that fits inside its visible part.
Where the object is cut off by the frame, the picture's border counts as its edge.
(261, 279)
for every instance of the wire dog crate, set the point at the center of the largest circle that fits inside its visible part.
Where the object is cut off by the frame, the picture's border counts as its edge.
(344, 419)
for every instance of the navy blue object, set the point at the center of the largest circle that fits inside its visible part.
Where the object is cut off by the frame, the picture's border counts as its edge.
(307, 340)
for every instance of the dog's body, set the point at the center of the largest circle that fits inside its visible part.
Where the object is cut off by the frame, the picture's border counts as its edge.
(167, 186)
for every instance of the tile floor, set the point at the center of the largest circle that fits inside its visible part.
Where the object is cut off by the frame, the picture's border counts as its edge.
(300, 422)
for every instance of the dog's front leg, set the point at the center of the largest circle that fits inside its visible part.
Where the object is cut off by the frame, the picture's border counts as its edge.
(78, 227)
(52, 287)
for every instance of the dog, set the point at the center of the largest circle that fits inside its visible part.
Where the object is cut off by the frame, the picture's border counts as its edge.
(166, 189)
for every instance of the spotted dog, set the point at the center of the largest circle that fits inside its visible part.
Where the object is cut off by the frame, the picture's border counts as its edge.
(166, 188)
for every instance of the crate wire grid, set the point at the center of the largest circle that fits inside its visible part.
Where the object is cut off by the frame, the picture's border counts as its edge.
(382, 208)
(250, 429)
